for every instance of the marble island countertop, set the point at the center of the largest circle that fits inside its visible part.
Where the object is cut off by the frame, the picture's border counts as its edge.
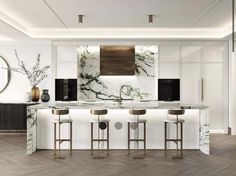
(116, 105)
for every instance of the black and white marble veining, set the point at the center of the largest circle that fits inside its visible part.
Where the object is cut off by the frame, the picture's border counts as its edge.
(93, 86)
(204, 131)
(31, 129)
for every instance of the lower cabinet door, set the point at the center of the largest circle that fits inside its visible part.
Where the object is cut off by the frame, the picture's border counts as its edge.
(12, 117)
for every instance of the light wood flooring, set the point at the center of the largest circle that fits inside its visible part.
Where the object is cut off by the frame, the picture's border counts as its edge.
(14, 161)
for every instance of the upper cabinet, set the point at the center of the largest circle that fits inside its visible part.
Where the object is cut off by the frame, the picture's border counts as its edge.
(213, 53)
(66, 62)
(191, 53)
(169, 53)
(117, 60)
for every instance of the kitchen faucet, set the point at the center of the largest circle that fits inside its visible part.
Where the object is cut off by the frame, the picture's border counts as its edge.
(120, 92)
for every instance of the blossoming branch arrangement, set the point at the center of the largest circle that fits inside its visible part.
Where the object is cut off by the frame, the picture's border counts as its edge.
(36, 75)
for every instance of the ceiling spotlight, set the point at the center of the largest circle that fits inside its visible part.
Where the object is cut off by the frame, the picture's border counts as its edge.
(150, 19)
(80, 18)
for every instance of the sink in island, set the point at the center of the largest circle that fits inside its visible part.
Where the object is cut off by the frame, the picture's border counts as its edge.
(40, 128)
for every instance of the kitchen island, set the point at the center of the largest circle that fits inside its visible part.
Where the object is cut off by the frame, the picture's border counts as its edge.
(40, 128)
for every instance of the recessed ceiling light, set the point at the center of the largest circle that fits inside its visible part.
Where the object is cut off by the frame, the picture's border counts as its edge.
(80, 18)
(150, 19)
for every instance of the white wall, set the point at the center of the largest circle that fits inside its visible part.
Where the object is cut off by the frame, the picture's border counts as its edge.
(27, 51)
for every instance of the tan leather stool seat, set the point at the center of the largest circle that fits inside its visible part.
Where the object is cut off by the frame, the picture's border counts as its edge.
(98, 111)
(137, 111)
(176, 111)
(60, 111)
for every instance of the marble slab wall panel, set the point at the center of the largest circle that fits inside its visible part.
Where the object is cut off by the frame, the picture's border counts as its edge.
(141, 86)
(204, 130)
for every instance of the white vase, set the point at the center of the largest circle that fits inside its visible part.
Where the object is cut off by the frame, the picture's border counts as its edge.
(27, 97)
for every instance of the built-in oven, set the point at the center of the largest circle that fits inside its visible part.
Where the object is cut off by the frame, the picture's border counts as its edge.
(168, 89)
(66, 89)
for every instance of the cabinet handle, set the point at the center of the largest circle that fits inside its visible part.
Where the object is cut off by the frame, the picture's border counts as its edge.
(202, 89)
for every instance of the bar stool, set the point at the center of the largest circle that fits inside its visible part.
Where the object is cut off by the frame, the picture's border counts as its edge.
(176, 121)
(136, 113)
(59, 121)
(102, 125)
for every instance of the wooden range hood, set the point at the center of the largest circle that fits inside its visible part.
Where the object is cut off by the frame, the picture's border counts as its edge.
(117, 60)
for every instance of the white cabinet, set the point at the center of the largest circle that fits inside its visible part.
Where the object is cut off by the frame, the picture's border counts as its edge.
(213, 53)
(169, 70)
(201, 69)
(213, 93)
(66, 62)
(190, 83)
(67, 70)
(190, 53)
(169, 53)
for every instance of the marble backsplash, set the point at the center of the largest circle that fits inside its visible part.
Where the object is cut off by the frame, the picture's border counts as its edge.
(143, 85)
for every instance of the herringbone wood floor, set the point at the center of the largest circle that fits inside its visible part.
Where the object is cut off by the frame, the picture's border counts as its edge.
(14, 161)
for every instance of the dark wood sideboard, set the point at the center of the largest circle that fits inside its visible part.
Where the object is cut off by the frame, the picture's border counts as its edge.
(13, 117)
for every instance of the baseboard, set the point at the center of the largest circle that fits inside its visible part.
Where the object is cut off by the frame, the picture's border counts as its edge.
(217, 132)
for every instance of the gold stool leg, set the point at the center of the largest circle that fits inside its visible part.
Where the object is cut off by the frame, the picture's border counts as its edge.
(91, 139)
(137, 140)
(55, 140)
(165, 140)
(181, 139)
(177, 142)
(71, 138)
(128, 138)
(59, 141)
(98, 150)
(107, 138)
(144, 136)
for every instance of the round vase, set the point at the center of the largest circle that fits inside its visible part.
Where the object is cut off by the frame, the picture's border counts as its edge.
(35, 94)
(45, 96)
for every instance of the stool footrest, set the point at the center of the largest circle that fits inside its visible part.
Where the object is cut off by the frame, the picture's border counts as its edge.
(99, 139)
(142, 140)
(63, 140)
(173, 140)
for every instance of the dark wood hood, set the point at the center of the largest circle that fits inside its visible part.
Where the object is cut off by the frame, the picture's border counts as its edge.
(117, 60)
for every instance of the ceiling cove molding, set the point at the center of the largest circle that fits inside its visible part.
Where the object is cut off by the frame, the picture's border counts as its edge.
(129, 33)
(13, 23)
(117, 33)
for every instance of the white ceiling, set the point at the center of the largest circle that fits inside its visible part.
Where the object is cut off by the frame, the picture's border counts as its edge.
(117, 18)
